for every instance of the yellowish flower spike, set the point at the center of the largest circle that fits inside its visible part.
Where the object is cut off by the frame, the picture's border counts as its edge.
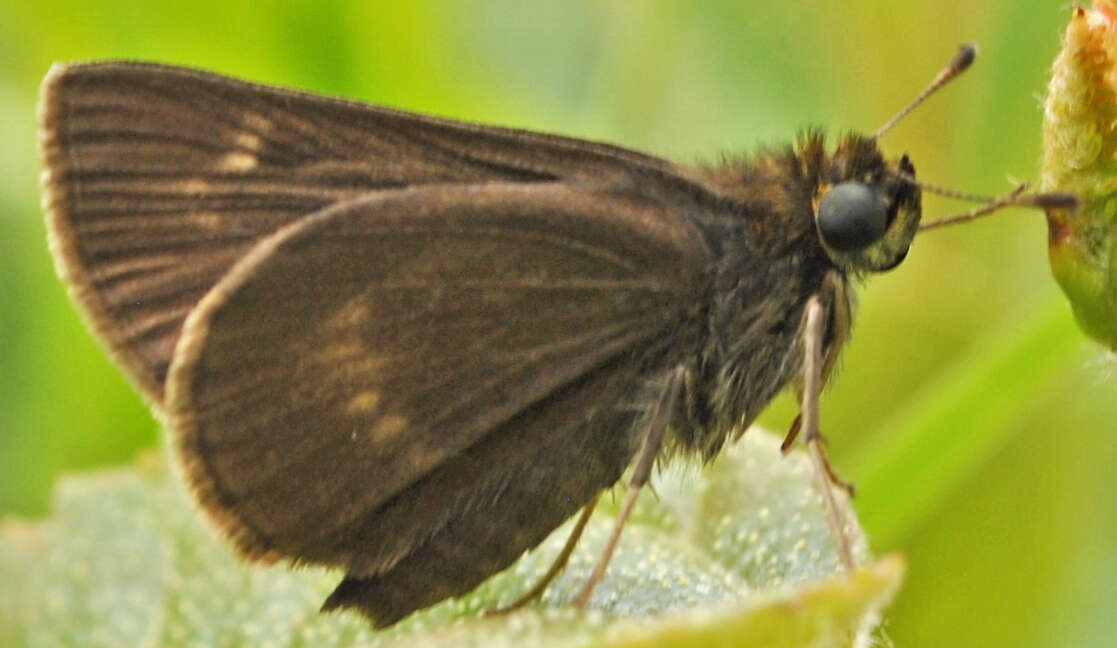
(1080, 156)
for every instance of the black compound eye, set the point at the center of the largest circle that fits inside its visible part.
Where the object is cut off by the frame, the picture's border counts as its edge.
(851, 217)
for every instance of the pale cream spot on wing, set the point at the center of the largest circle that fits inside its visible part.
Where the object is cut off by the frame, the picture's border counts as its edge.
(349, 363)
(352, 314)
(387, 428)
(417, 457)
(340, 351)
(248, 141)
(258, 122)
(345, 359)
(363, 403)
(207, 220)
(191, 186)
(237, 161)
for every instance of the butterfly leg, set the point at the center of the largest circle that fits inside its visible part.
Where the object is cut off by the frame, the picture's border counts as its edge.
(556, 567)
(789, 443)
(835, 303)
(653, 441)
(813, 371)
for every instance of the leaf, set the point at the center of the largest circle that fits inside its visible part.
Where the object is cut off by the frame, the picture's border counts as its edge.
(735, 553)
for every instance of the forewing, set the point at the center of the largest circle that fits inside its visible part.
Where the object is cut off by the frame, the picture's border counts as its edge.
(350, 356)
(158, 179)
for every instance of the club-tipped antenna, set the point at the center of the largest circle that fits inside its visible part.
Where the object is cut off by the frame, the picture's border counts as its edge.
(961, 61)
(1018, 197)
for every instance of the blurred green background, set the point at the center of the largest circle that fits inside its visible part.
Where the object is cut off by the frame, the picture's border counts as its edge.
(976, 420)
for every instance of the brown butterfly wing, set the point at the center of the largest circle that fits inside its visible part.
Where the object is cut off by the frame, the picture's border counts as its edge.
(478, 511)
(158, 179)
(434, 374)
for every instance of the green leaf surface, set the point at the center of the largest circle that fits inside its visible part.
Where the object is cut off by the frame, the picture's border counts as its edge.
(736, 553)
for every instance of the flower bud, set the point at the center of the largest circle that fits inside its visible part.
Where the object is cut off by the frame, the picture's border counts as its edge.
(1080, 157)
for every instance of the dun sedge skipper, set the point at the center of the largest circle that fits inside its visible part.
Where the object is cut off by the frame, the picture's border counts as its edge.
(410, 347)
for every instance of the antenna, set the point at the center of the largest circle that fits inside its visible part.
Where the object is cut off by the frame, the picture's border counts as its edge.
(961, 61)
(1015, 198)
(1018, 197)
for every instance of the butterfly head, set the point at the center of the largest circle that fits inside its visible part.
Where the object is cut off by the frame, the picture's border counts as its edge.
(866, 209)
